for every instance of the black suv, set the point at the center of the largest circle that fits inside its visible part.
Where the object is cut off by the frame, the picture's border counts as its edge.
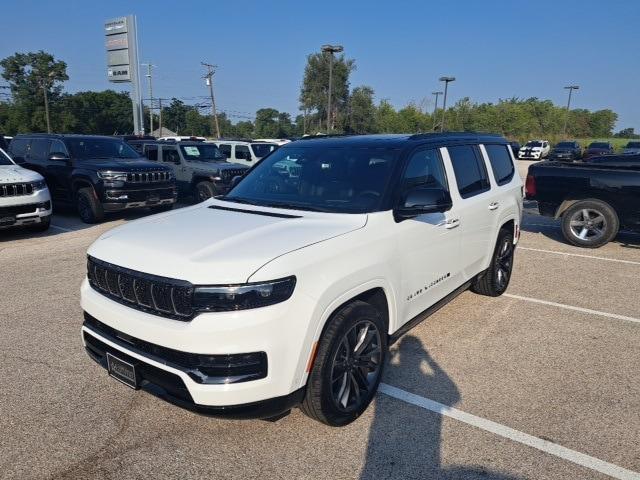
(97, 174)
(567, 151)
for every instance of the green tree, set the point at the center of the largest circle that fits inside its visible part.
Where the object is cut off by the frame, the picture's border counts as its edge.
(31, 76)
(104, 113)
(196, 124)
(174, 117)
(602, 123)
(315, 86)
(362, 111)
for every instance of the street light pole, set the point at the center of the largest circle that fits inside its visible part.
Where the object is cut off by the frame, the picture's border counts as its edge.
(331, 49)
(435, 108)
(446, 81)
(149, 77)
(571, 88)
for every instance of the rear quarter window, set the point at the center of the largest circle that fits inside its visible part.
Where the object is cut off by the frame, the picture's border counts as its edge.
(501, 164)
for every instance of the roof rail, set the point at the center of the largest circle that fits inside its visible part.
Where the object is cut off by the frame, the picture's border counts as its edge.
(421, 136)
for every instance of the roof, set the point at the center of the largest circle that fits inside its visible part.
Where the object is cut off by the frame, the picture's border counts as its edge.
(67, 135)
(395, 140)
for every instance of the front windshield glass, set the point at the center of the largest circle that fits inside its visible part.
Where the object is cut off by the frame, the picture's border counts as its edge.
(94, 148)
(599, 145)
(533, 144)
(564, 145)
(317, 178)
(633, 145)
(205, 152)
(262, 149)
(4, 158)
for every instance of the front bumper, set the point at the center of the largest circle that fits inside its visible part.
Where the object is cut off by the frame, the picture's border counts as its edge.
(25, 209)
(530, 156)
(115, 200)
(281, 331)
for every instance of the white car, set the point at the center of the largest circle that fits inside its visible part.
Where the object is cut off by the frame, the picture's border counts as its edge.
(534, 150)
(288, 290)
(244, 152)
(24, 197)
(277, 141)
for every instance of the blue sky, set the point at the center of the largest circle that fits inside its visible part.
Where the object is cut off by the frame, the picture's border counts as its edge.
(496, 49)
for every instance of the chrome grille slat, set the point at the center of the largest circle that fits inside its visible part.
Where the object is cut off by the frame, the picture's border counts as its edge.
(147, 177)
(16, 189)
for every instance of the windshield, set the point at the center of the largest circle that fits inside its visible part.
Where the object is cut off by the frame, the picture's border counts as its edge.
(564, 145)
(4, 158)
(599, 145)
(262, 149)
(533, 144)
(206, 152)
(326, 179)
(93, 148)
(633, 145)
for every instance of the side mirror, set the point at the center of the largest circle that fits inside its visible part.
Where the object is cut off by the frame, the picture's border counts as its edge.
(420, 200)
(235, 180)
(58, 157)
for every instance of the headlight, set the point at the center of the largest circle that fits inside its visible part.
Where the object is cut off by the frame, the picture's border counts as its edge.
(224, 298)
(39, 185)
(112, 176)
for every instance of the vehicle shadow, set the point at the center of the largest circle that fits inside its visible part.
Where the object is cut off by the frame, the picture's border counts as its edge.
(552, 230)
(405, 442)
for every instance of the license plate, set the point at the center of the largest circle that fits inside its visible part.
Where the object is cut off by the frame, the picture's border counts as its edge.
(7, 220)
(122, 371)
(153, 199)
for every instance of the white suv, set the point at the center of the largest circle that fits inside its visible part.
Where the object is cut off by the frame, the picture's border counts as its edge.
(24, 197)
(244, 152)
(288, 290)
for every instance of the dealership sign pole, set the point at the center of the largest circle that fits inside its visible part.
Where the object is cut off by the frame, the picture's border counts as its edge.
(122, 61)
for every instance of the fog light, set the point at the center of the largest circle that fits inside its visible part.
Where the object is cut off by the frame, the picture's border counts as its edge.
(117, 196)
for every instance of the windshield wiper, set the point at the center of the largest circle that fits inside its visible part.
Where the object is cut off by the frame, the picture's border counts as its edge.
(296, 206)
(238, 200)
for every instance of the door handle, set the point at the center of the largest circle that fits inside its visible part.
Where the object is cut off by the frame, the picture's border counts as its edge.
(494, 205)
(451, 223)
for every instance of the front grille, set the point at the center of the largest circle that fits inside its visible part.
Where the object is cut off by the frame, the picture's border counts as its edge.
(160, 296)
(227, 175)
(202, 368)
(148, 177)
(16, 189)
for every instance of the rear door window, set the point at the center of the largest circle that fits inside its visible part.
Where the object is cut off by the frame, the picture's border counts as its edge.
(468, 166)
(39, 149)
(501, 163)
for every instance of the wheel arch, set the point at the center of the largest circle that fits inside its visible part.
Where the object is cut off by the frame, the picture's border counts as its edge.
(578, 197)
(81, 182)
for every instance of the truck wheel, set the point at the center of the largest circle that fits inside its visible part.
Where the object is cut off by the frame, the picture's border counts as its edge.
(494, 281)
(590, 223)
(204, 191)
(348, 366)
(89, 208)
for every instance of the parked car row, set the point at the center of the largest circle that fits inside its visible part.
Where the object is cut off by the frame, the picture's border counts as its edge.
(568, 150)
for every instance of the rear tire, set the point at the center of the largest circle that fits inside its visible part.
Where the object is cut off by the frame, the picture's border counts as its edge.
(590, 223)
(494, 281)
(204, 191)
(348, 366)
(89, 207)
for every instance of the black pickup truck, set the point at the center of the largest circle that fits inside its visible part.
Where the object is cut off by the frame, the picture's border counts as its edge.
(96, 174)
(594, 199)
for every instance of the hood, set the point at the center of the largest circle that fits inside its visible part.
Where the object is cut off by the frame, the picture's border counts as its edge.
(597, 150)
(216, 245)
(121, 164)
(16, 174)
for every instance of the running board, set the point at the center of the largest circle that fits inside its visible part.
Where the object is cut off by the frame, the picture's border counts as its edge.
(395, 336)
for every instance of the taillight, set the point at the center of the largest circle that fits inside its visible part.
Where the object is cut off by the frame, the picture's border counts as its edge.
(530, 186)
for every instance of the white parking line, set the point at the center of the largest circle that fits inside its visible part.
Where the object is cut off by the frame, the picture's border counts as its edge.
(630, 262)
(61, 228)
(571, 307)
(511, 434)
(550, 225)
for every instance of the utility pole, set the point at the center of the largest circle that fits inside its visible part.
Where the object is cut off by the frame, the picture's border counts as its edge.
(160, 116)
(149, 78)
(446, 81)
(330, 49)
(46, 106)
(571, 88)
(209, 81)
(435, 109)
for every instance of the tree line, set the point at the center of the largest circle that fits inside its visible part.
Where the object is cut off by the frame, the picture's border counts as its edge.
(354, 110)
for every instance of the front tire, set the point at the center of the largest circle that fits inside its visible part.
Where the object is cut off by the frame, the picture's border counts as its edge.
(590, 223)
(494, 281)
(89, 207)
(204, 191)
(348, 366)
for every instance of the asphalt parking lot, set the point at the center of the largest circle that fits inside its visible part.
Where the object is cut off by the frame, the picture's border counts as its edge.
(541, 383)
